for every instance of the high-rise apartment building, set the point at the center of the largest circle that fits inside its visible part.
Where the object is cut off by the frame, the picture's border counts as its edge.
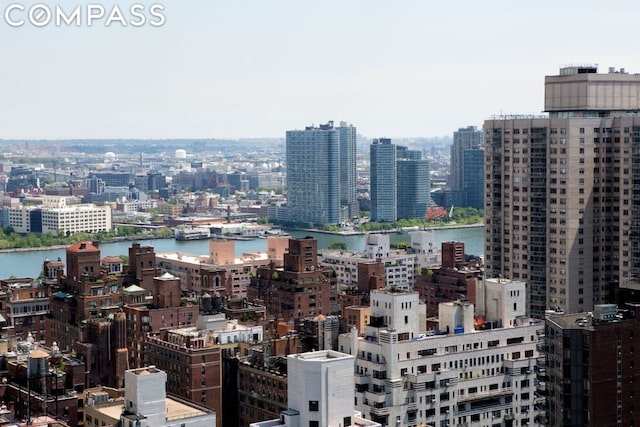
(321, 174)
(463, 139)
(348, 174)
(413, 185)
(473, 181)
(561, 207)
(384, 198)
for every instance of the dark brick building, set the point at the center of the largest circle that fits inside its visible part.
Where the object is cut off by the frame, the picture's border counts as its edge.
(300, 289)
(591, 375)
(450, 282)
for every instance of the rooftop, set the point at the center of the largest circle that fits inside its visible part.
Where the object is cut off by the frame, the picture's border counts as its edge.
(145, 371)
(175, 409)
(83, 247)
(322, 355)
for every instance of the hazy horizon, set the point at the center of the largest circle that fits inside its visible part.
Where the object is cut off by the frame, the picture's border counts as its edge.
(254, 69)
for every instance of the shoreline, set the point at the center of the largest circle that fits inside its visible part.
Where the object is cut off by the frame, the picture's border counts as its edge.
(56, 247)
(402, 230)
(335, 233)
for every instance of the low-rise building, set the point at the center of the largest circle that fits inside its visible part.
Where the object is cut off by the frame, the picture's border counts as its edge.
(56, 216)
(320, 392)
(221, 272)
(399, 265)
(191, 356)
(27, 305)
(455, 279)
(144, 404)
(261, 389)
(300, 289)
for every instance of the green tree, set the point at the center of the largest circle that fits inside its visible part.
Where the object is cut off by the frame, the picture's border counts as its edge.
(338, 245)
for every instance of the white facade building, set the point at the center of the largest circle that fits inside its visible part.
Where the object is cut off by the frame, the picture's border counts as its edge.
(455, 374)
(56, 215)
(320, 389)
(423, 246)
(399, 265)
(216, 329)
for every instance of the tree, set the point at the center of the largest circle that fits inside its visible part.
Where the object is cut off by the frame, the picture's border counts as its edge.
(338, 245)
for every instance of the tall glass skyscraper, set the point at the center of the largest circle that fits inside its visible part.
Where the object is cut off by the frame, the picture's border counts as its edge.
(474, 177)
(463, 139)
(413, 183)
(383, 180)
(348, 174)
(321, 174)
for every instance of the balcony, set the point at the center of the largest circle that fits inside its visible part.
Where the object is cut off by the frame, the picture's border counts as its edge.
(361, 379)
(379, 412)
(485, 395)
(375, 397)
(411, 407)
(394, 383)
(541, 347)
(541, 401)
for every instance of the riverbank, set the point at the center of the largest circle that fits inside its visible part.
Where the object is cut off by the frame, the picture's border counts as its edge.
(395, 230)
(28, 263)
(55, 247)
(334, 233)
(299, 230)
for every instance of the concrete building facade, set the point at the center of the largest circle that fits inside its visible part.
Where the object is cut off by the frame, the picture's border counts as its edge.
(399, 265)
(55, 216)
(320, 392)
(144, 404)
(457, 374)
(561, 209)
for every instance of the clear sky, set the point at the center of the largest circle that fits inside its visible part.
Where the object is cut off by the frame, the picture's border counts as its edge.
(256, 68)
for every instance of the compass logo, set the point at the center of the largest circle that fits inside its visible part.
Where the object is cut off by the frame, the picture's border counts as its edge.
(91, 14)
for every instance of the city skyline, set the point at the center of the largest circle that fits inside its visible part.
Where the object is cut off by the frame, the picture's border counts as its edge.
(417, 69)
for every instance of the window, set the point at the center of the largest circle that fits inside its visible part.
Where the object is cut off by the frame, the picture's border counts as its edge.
(314, 423)
(313, 406)
(515, 340)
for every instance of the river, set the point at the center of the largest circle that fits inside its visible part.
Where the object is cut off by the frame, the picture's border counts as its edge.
(29, 263)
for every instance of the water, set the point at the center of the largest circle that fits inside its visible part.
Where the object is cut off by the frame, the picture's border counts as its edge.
(29, 264)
